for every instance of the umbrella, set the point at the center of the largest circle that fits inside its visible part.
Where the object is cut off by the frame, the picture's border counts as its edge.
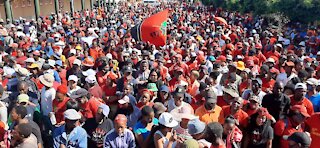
(221, 20)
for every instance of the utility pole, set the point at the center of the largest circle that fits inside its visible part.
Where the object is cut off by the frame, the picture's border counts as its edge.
(37, 9)
(7, 6)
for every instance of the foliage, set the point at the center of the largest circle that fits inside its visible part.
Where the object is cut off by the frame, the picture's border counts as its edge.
(297, 10)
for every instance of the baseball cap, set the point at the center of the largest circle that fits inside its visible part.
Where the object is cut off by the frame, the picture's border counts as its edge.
(91, 79)
(127, 69)
(79, 93)
(233, 93)
(124, 100)
(290, 64)
(23, 98)
(89, 72)
(210, 96)
(300, 86)
(301, 138)
(121, 118)
(105, 109)
(254, 98)
(312, 81)
(196, 126)
(72, 114)
(167, 120)
(271, 60)
(62, 89)
(185, 112)
(36, 52)
(29, 60)
(301, 109)
(179, 91)
(159, 108)
(164, 88)
(77, 62)
(73, 78)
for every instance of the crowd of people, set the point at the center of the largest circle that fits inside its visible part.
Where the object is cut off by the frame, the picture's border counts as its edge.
(223, 80)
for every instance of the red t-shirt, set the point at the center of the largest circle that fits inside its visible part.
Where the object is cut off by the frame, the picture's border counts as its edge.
(59, 108)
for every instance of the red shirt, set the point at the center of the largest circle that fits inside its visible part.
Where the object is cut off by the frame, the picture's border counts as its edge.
(305, 102)
(96, 91)
(59, 108)
(20, 60)
(285, 127)
(221, 102)
(267, 84)
(314, 126)
(240, 115)
(63, 77)
(90, 108)
(197, 101)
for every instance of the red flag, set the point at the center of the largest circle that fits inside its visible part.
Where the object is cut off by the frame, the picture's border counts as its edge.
(152, 29)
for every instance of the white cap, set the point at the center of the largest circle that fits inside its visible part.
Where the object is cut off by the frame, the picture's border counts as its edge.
(73, 78)
(23, 71)
(271, 60)
(91, 79)
(109, 55)
(312, 81)
(57, 35)
(229, 57)
(300, 86)
(193, 54)
(89, 72)
(279, 45)
(30, 60)
(124, 100)
(167, 120)
(318, 53)
(302, 44)
(52, 63)
(72, 114)
(73, 51)
(77, 62)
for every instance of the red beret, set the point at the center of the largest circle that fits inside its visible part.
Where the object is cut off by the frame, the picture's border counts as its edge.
(62, 89)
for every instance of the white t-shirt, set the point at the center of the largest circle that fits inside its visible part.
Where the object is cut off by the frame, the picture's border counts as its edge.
(47, 97)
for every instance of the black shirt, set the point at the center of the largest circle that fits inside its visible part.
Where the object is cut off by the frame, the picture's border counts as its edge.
(278, 107)
(259, 135)
(97, 131)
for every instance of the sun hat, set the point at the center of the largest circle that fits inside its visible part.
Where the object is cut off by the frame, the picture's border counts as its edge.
(33, 65)
(312, 81)
(72, 114)
(185, 112)
(23, 98)
(167, 120)
(124, 100)
(79, 93)
(233, 93)
(23, 71)
(91, 79)
(196, 126)
(105, 109)
(89, 62)
(73, 78)
(152, 87)
(47, 79)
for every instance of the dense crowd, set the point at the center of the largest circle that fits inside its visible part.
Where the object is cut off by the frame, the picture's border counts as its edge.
(223, 80)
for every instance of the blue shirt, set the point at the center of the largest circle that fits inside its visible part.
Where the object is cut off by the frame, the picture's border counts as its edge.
(315, 100)
(113, 140)
(76, 139)
(139, 128)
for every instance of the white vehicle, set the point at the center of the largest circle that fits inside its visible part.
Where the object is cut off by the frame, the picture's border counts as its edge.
(151, 2)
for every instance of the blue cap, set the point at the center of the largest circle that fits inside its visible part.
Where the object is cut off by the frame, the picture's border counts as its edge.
(59, 62)
(196, 126)
(164, 88)
(212, 58)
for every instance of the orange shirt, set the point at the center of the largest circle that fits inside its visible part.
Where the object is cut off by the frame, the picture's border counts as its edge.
(284, 127)
(240, 115)
(267, 84)
(193, 88)
(96, 52)
(313, 123)
(208, 116)
(305, 102)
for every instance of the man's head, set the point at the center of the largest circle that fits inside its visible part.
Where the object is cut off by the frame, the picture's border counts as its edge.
(256, 85)
(300, 91)
(72, 118)
(211, 99)
(278, 88)
(18, 112)
(237, 104)
(120, 124)
(179, 95)
(229, 124)
(299, 140)
(21, 132)
(23, 87)
(213, 132)
(229, 94)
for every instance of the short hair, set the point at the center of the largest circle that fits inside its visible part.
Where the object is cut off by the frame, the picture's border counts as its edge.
(146, 110)
(214, 130)
(23, 84)
(21, 111)
(25, 129)
(73, 104)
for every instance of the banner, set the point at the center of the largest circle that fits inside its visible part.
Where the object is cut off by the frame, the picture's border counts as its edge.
(152, 29)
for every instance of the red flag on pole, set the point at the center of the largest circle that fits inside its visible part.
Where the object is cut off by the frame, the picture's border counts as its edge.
(152, 29)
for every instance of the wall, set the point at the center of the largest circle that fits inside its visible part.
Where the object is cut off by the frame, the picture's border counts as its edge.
(46, 7)
(2, 10)
(23, 8)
